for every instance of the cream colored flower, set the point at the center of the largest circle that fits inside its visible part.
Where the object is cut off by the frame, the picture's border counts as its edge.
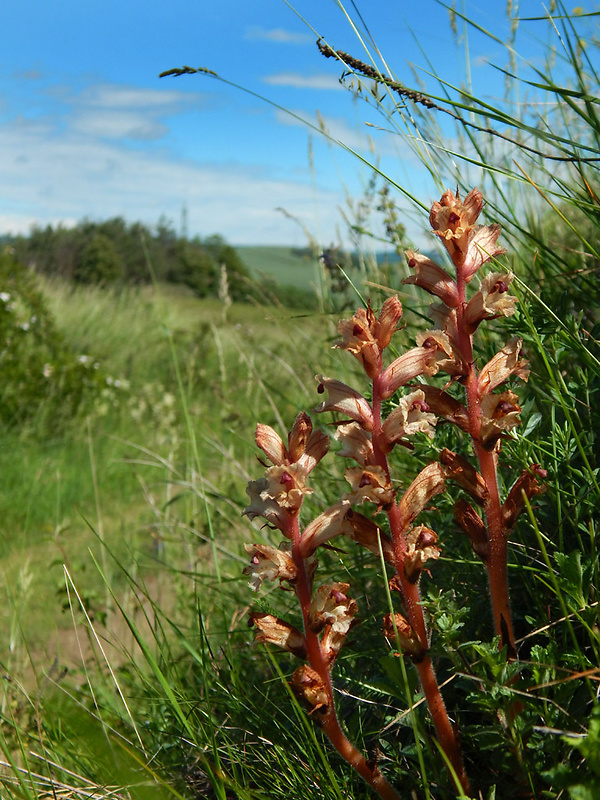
(332, 606)
(412, 416)
(356, 443)
(492, 300)
(369, 484)
(345, 400)
(500, 413)
(431, 277)
(309, 686)
(421, 545)
(269, 564)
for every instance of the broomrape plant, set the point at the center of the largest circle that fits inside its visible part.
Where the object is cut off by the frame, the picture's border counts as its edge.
(485, 413)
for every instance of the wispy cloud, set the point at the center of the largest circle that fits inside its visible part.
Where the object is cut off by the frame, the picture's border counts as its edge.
(278, 35)
(54, 171)
(116, 111)
(298, 81)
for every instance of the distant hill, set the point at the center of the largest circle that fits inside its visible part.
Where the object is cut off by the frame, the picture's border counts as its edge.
(289, 266)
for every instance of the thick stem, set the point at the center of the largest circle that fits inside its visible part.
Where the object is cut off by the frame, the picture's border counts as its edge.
(446, 734)
(329, 721)
(497, 560)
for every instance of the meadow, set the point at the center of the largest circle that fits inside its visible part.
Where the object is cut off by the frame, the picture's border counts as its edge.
(128, 666)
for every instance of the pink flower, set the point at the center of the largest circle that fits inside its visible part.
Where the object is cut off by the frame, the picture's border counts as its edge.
(505, 363)
(491, 301)
(346, 401)
(431, 277)
(269, 563)
(356, 443)
(412, 416)
(415, 362)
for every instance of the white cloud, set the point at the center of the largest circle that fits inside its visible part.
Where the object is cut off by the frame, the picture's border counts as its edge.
(278, 35)
(119, 125)
(116, 111)
(107, 95)
(63, 177)
(297, 81)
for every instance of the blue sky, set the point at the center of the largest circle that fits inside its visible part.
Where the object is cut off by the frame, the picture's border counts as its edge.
(87, 129)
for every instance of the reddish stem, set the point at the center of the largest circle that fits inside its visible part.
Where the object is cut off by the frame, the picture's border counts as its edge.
(446, 734)
(329, 721)
(497, 560)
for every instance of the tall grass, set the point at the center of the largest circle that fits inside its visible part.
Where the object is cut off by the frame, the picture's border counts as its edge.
(165, 696)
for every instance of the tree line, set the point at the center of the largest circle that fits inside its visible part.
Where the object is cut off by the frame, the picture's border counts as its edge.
(116, 252)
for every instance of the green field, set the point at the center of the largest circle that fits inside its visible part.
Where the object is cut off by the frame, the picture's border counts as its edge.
(284, 264)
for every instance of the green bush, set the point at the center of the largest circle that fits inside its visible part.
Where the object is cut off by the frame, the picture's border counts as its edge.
(42, 381)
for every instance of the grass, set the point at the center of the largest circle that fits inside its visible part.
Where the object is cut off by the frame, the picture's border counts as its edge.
(121, 540)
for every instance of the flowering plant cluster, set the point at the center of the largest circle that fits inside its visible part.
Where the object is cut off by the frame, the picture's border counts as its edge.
(486, 414)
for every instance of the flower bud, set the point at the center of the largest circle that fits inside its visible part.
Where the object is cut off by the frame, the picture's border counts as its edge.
(308, 685)
(431, 277)
(273, 630)
(421, 545)
(398, 631)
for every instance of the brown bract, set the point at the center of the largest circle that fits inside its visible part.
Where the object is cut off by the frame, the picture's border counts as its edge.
(505, 363)
(398, 631)
(346, 401)
(269, 563)
(368, 534)
(366, 336)
(458, 469)
(431, 277)
(471, 523)
(272, 630)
